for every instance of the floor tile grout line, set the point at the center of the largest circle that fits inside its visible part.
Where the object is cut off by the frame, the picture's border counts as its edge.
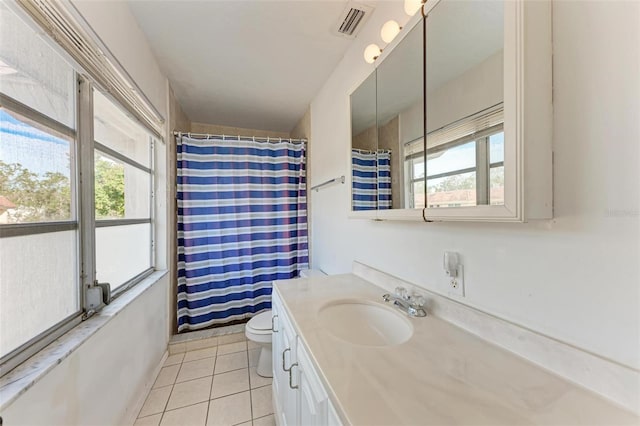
(182, 362)
(228, 371)
(252, 419)
(165, 405)
(147, 397)
(180, 383)
(230, 394)
(250, 393)
(260, 387)
(200, 359)
(196, 378)
(186, 406)
(215, 361)
(174, 382)
(231, 353)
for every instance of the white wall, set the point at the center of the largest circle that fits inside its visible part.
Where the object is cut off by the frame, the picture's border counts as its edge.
(101, 381)
(475, 90)
(575, 278)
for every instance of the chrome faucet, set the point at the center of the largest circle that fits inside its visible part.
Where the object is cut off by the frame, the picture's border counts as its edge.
(412, 305)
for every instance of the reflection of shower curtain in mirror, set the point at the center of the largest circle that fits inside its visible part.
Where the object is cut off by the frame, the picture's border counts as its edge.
(242, 223)
(371, 179)
(384, 179)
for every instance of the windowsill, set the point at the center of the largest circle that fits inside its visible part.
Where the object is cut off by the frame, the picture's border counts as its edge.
(24, 376)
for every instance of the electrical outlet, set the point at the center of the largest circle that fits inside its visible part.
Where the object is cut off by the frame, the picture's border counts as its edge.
(455, 285)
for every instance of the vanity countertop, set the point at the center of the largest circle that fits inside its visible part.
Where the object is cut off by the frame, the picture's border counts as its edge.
(442, 375)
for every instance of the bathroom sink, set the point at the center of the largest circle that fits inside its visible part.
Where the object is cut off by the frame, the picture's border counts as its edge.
(365, 323)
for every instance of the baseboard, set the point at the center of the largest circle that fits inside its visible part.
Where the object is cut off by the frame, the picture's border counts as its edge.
(131, 415)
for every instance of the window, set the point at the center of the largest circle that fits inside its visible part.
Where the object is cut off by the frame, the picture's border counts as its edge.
(39, 270)
(45, 111)
(465, 162)
(414, 174)
(123, 179)
(496, 169)
(33, 73)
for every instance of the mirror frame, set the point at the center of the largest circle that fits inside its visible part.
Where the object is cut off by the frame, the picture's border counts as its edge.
(528, 118)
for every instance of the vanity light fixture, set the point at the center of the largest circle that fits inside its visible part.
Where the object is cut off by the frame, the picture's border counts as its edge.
(412, 6)
(389, 31)
(371, 53)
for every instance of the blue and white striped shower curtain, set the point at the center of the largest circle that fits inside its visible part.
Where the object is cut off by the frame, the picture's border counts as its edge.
(384, 179)
(370, 179)
(242, 223)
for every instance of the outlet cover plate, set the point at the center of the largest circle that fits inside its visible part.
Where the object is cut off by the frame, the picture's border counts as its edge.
(457, 289)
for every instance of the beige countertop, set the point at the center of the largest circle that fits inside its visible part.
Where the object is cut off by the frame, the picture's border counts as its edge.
(442, 375)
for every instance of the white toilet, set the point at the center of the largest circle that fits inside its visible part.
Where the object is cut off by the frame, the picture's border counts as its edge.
(258, 330)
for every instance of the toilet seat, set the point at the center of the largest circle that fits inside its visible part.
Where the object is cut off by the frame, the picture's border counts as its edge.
(261, 322)
(258, 328)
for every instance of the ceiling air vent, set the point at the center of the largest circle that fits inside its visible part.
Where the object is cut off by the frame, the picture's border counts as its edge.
(352, 19)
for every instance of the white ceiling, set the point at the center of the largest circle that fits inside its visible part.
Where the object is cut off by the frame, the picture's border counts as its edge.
(254, 64)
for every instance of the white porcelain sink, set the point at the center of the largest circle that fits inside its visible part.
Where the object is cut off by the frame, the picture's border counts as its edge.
(365, 323)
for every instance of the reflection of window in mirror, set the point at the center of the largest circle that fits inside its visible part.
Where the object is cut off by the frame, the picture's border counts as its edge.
(464, 82)
(414, 174)
(465, 162)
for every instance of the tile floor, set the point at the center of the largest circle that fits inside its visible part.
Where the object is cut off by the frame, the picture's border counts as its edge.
(215, 385)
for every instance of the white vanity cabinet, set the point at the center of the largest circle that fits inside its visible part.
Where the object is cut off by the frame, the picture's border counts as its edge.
(299, 397)
(284, 340)
(313, 399)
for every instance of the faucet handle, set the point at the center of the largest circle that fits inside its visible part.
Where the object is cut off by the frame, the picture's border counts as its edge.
(402, 293)
(418, 300)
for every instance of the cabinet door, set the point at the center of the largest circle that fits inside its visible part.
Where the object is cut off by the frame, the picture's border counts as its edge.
(284, 356)
(312, 399)
(277, 346)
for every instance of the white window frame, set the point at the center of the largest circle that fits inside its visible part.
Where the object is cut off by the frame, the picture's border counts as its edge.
(103, 223)
(33, 345)
(448, 140)
(409, 161)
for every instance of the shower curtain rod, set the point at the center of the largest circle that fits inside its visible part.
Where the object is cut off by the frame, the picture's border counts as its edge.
(368, 151)
(238, 137)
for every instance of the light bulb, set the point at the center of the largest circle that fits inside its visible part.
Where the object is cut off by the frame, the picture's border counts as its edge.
(371, 52)
(389, 31)
(412, 6)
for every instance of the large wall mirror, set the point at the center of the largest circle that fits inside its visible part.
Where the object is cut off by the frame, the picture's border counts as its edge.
(364, 147)
(465, 102)
(387, 131)
(455, 123)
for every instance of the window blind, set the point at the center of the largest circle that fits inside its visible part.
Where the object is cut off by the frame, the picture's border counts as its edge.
(466, 129)
(414, 148)
(59, 23)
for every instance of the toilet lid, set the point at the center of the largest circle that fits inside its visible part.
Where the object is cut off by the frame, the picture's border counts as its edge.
(262, 321)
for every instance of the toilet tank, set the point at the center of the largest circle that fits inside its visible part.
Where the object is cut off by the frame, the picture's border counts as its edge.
(306, 273)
